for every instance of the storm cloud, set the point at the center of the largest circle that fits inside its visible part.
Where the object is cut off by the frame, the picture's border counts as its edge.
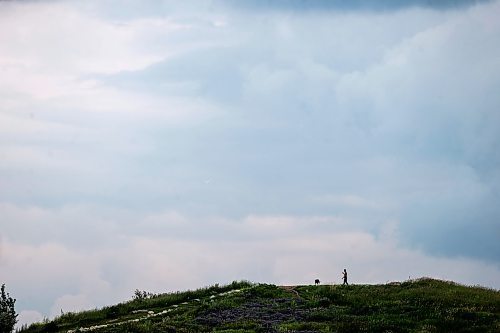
(277, 142)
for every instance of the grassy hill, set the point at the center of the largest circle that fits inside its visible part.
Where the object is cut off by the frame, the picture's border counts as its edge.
(423, 305)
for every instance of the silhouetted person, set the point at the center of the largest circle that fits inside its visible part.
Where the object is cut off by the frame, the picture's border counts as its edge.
(316, 282)
(344, 277)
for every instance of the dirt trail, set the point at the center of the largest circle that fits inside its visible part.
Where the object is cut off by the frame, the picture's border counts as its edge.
(291, 289)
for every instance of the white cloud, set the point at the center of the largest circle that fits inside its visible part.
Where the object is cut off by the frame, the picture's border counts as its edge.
(351, 201)
(54, 38)
(26, 317)
(283, 225)
(70, 303)
(437, 75)
(53, 59)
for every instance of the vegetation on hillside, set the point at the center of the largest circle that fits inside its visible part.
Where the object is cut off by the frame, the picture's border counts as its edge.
(424, 305)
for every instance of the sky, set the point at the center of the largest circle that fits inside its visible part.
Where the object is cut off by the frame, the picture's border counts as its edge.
(166, 145)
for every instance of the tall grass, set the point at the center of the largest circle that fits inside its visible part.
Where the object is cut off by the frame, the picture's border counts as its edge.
(126, 309)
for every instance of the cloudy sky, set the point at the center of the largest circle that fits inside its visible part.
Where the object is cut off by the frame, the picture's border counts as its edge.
(168, 145)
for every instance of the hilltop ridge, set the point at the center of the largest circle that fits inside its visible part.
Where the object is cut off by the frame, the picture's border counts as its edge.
(423, 305)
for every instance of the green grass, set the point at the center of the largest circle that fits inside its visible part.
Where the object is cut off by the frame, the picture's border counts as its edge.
(424, 305)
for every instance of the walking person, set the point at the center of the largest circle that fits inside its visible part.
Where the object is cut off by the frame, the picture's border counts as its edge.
(344, 277)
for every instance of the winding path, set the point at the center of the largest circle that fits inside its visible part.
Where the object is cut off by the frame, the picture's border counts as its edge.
(149, 314)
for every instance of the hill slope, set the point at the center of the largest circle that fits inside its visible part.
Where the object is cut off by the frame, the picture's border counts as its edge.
(424, 305)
